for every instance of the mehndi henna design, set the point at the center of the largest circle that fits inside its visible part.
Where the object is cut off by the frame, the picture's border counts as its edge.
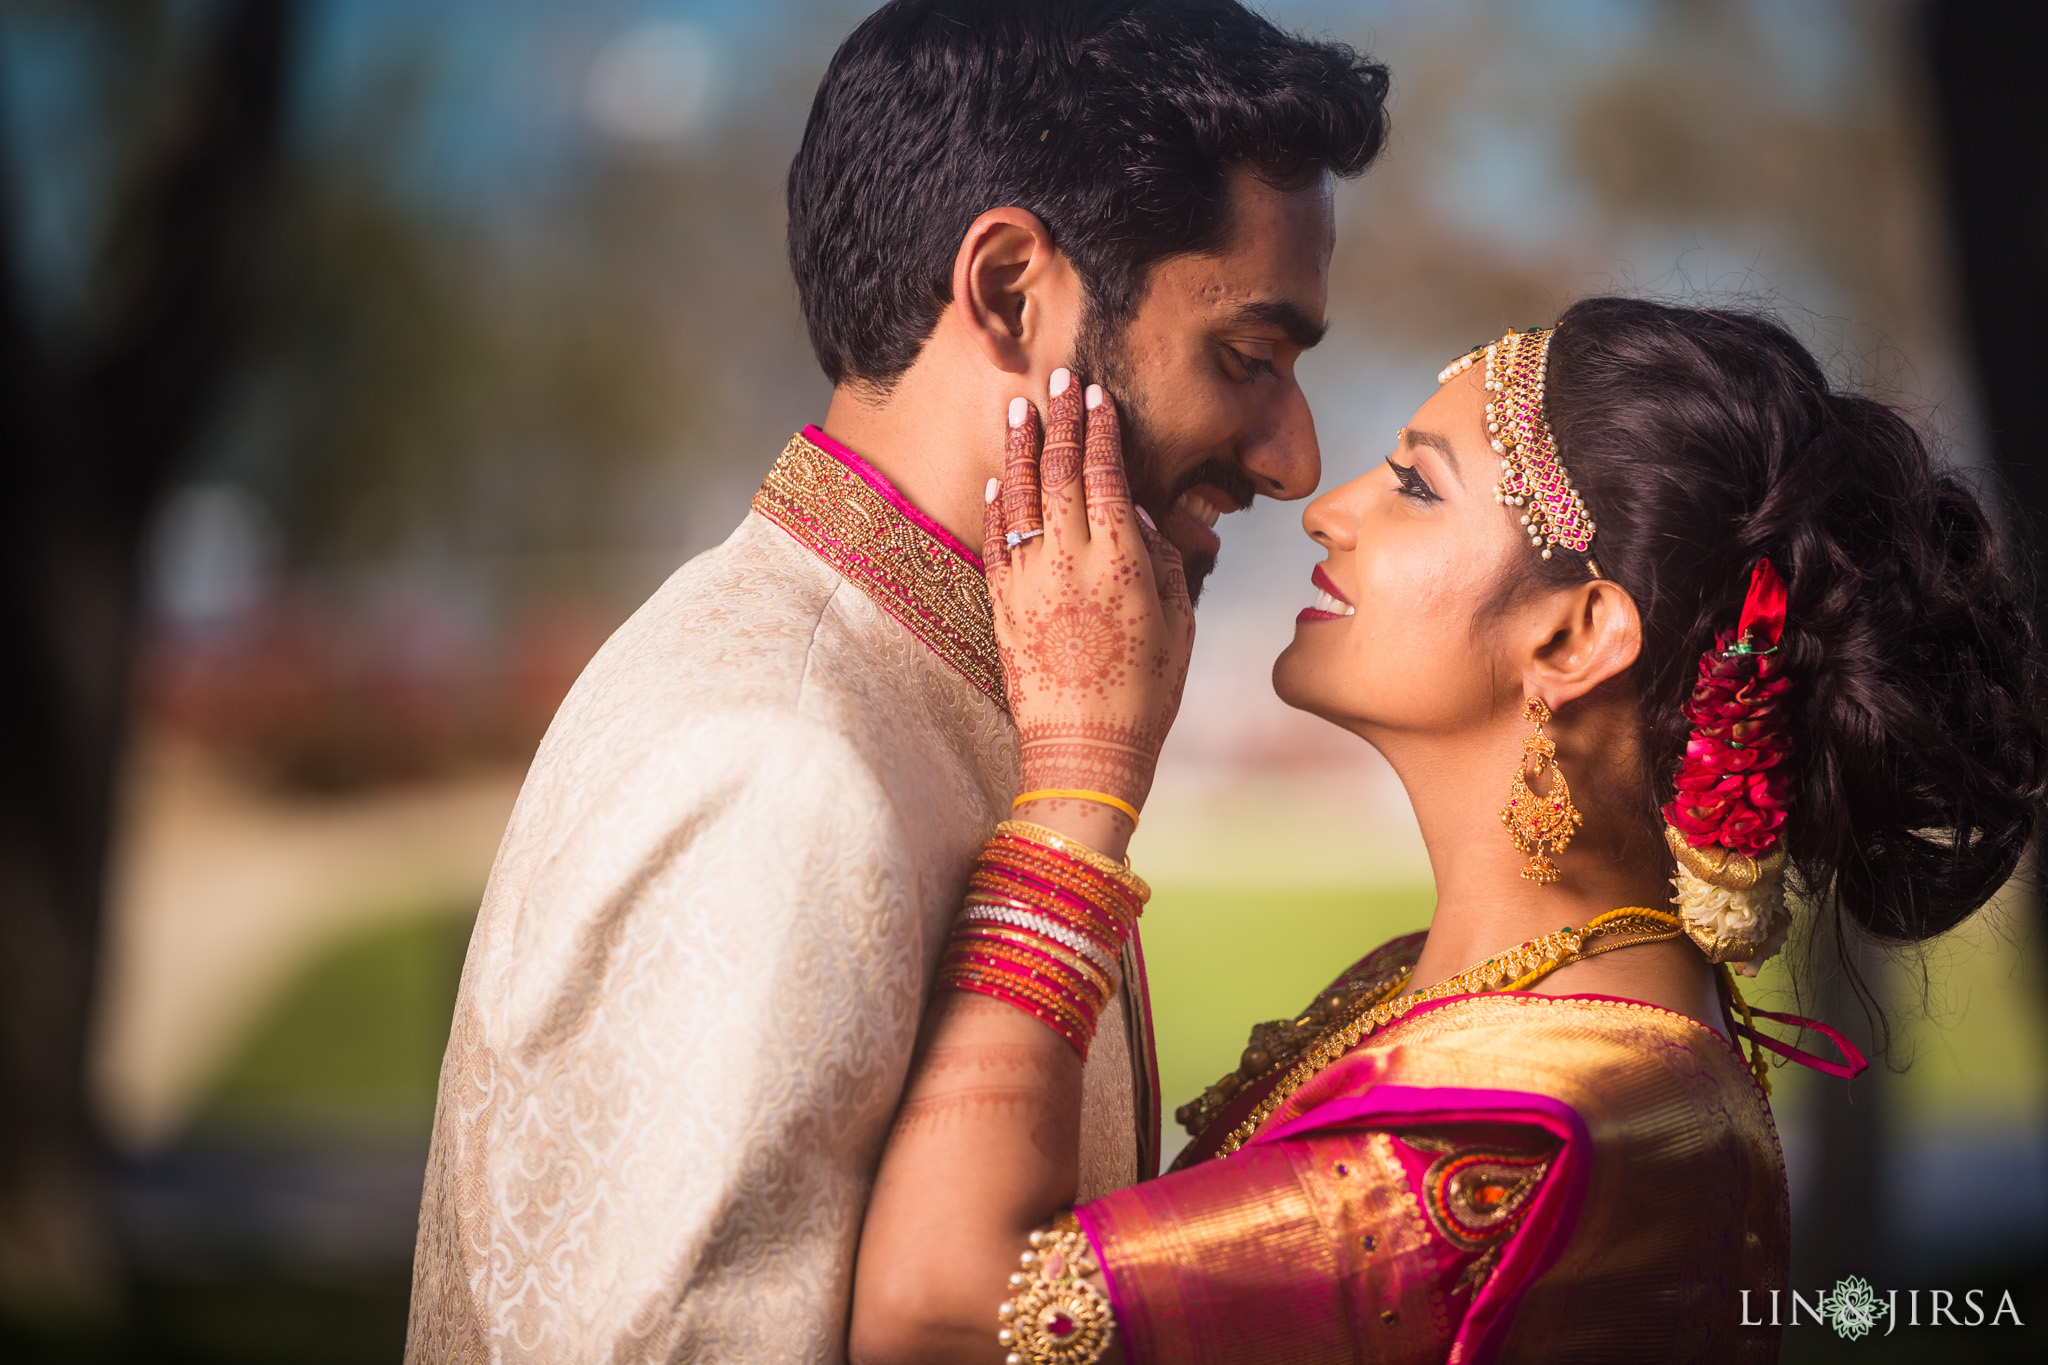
(1061, 460)
(1079, 644)
(1095, 755)
(1094, 630)
(1022, 511)
(1102, 473)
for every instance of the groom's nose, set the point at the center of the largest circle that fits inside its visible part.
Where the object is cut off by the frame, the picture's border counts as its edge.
(1281, 455)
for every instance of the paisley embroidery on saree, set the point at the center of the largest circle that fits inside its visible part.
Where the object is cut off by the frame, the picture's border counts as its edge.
(1475, 1194)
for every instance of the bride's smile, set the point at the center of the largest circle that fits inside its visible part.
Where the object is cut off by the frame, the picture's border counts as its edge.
(1330, 603)
(1416, 550)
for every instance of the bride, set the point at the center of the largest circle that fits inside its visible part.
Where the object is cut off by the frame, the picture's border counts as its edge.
(1637, 605)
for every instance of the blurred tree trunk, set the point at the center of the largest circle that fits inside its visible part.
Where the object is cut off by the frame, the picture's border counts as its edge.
(1984, 62)
(89, 436)
(1984, 59)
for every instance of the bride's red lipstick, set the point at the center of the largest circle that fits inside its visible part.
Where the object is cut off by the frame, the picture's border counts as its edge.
(1329, 589)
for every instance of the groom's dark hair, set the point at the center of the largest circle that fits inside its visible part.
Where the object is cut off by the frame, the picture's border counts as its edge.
(1115, 121)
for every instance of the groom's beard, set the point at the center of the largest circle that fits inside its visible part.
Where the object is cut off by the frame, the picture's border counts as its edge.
(1101, 358)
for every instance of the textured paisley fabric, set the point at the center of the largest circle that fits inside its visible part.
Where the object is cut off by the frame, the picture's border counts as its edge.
(690, 998)
(1511, 1177)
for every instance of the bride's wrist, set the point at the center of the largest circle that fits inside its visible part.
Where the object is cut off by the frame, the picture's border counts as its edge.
(1083, 806)
(1115, 774)
(1101, 827)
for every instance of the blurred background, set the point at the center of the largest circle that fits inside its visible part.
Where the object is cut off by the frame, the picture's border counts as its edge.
(364, 363)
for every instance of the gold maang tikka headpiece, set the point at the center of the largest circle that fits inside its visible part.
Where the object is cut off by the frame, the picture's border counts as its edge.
(1532, 477)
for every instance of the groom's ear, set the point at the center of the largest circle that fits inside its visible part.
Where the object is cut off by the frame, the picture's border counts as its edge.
(1016, 294)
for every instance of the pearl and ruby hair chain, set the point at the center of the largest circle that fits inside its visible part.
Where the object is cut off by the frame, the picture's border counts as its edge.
(1533, 481)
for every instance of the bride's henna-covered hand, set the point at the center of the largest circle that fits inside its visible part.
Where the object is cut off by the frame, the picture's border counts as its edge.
(1094, 623)
(1091, 605)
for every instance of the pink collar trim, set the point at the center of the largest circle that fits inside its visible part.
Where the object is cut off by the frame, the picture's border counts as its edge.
(841, 509)
(875, 479)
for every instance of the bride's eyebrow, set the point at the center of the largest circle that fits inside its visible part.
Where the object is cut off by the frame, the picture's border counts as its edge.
(1441, 446)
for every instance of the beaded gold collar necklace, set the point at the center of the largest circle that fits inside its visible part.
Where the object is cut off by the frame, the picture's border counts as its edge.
(1517, 969)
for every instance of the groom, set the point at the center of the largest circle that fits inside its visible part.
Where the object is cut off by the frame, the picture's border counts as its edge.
(692, 992)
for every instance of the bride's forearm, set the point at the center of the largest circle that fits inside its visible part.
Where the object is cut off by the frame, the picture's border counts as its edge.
(985, 1148)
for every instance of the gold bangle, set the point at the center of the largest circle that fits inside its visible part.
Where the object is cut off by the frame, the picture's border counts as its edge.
(997, 931)
(1078, 794)
(1072, 1016)
(1112, 901)
(1080, 853)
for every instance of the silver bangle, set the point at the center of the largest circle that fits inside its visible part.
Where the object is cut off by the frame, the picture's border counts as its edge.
(1021, 918)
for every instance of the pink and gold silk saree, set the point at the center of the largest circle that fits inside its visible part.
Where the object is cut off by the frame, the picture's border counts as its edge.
(1500, 1177)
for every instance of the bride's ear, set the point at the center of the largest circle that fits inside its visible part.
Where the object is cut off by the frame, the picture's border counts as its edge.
(1580, 637)
(1015, 294)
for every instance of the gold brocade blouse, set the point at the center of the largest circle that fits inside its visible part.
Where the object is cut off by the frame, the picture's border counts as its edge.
(1509, 1176)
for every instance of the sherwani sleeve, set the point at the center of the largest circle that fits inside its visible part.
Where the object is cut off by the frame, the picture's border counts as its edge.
(1332, 1246)
(683, 1028)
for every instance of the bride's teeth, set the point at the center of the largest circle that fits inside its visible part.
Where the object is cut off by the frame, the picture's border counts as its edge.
(1325, 602)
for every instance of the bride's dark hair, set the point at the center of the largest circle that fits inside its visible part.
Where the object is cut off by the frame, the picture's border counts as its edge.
(1703, 439)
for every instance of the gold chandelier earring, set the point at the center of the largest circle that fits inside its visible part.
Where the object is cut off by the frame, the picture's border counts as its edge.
(1539, 822)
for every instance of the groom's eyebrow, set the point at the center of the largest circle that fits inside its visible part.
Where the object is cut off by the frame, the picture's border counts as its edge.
(1291, 318)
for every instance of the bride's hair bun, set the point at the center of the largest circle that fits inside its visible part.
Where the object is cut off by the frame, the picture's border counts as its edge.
(1703, 439)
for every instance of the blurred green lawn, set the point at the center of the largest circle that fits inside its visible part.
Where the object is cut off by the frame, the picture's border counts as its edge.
(356, 1042)
(1221, 959)
(358, 1039)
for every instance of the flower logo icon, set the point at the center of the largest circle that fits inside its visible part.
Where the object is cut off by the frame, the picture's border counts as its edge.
(1852, 1307)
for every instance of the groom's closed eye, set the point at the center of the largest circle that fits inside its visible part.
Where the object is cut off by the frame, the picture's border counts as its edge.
(1246, 368)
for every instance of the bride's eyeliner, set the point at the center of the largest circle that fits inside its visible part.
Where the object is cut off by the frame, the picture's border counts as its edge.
(1413, 485)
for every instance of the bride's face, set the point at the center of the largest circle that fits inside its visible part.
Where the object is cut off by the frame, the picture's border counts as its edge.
(1416, 550)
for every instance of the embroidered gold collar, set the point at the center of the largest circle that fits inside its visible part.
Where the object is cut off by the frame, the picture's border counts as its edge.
(844, 511)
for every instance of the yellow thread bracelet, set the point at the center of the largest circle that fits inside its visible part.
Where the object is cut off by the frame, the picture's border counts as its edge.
(1100, 798)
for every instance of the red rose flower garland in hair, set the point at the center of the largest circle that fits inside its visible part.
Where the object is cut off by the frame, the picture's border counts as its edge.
(1723, 823)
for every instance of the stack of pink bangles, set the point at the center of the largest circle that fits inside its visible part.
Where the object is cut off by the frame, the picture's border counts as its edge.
(1044, 928)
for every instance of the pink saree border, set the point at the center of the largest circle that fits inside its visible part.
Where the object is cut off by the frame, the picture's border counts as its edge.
(1154, 1123)
(1085, 1216)
(1547, 1227)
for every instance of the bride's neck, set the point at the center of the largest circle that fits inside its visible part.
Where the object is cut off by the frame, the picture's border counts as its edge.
(1484, 905)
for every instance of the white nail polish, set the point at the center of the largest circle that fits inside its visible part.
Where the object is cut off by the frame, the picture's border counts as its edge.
(1060, 379)
(1093, 398)
(1145, 517)
(1018, 407)
(995, 486)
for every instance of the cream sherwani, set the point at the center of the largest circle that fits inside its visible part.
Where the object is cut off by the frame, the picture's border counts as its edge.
(690, 998)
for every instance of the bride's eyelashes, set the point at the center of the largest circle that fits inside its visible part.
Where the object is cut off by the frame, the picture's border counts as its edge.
(1413, 485)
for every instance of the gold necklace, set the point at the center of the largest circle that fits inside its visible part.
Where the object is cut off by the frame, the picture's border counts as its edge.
(1516, 969)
